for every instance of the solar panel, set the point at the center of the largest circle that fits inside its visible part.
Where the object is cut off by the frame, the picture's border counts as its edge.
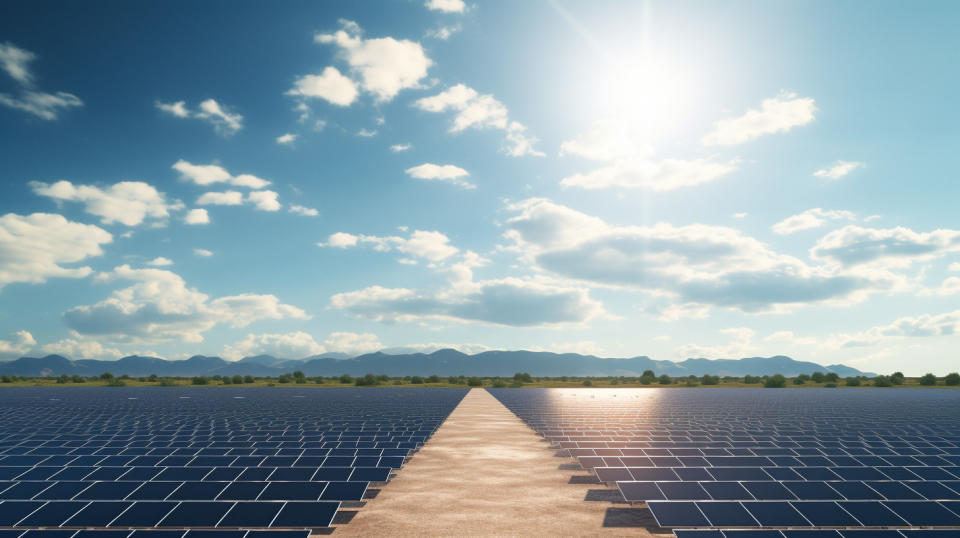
(775, 514)
(306, 514)
(251, 514)
(677, 514)
(726, 514)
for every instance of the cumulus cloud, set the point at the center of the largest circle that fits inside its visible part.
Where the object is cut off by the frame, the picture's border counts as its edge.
(443, 33)
(264, 200)
(397, 148)
(160, 261)
(352, 343)
(838, 169)
(893, 247)
(630, 163)
(303, 210)
(437, 172)
(383, 66)
(477, 111)
(950, 286)
(739, 345)
(159, 306)
(789, 337)
(446, 6)
(777, 114)
(202, 252)
(922, 326)
(15, 62)
(695, 264)
(223, 121)
(430, 245)
(127, 202)
(208, 174)
(21, 343)
(293, 345)
(809, 219)
(329, 85)
(509, 302)
(221, 198)
(196, 217)
(36, 247)
(286, 139)
(81, 348)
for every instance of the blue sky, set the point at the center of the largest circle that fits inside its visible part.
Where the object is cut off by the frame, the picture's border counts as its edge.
(673, 179)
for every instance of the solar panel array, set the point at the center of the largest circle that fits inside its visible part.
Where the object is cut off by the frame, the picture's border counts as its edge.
(782, 459)
(183, 460)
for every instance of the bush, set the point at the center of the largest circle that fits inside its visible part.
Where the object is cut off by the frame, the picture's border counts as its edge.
(817, 377)
(952, 380)
(831, 377)
(63, 379)
(398, 382)
(116, 383)
(797, 381)
(249, 379)
(345, 378)
(830, 386)
(106, 375)
(285, 378)
(200, 380)
(647, 379)
(853, 381)
(299, 377)
(474, 382)
(882, 381)
(499, 384)
(368, 380)
(692, 381)
(587, 383)
(522, 377)
(708, 379)
(928, 380)
(236, 380)
(665, 379)
(775, 381)
(226, 380)
(752, 379)
(78, 379)
(612, 382)
(167, 382)
(648, 373)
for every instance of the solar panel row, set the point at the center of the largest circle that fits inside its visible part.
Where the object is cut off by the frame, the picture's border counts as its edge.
(747, 458)
(184, 491)
(142, 533)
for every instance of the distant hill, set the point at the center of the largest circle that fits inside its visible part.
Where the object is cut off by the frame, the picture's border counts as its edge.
(444, 362)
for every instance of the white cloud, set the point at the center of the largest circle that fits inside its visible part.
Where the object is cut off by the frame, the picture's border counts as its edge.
(955, 266)
(293, 345)
(207, 174)
(892, 247)
(160, 262)
(264, 200)
(384, 65)
(178, 108)
(221, 198)
(446, 172)
(739, 215)
(809, 219)
(14, 61)
(366, 134)
(838, 169)
(950, 286)
(286, 139)
(41, 104)
(127, 202)
(303, 210)
(430, 245)
(330, 85)
(694, 264)
(223, 121)
(80, 348)
(22, 341)
(923, 326)
(35, 247)
(509, 302)
(777, 114)
(443, 33)
(739, 345)
(480, 111)
(197, 216)
(397, 148)
(352, 343)
(202, 252)
(446, 6)
(159, 306)
(788, 337)
(665, 175)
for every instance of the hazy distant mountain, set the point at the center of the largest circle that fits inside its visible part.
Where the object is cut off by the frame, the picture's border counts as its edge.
(444, 362)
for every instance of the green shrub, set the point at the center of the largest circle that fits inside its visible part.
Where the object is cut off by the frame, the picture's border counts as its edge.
(237, 379)
(433, 379)
(345, 378)
(830, 386)
(285, 378)
(797, 381)
(952, 379)
(226, 380)
(831, 377)
(523, 377)
(775, 381)
(116, 383)
(612, 382)
(648, 373)
(249, 379)
(78, 379)
(398, 382)
(882, 381)
(63, 379)
(587, 383)
(708, 379)
(928, 380)
(368, 380)
(167, 382)
(752, 379)
(499, 384)
(200, 380)
(106, 375)
(665, 380)
(853, 381)
(647, 379)
(817, 377)
(474, 382)
(416, 380)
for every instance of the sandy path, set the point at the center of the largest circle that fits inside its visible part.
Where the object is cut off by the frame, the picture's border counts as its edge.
(485, 473)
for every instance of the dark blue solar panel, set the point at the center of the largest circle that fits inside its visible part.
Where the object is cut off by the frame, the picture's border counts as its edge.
(924, 513)
(296, 491)
(196, 514)
(97, 514)
(13, 511)
(825, 514)
(677, 514)
(100, 533)
(872, 514)
(143, 514)
(768, 491)
(306, 514)
(775, 514)
(683, 491)
(251, 514)
(726, 514)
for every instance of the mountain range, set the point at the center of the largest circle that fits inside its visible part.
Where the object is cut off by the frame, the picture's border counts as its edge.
(444, 362)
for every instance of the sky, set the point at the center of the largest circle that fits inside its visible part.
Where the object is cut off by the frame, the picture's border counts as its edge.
(670, 179)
